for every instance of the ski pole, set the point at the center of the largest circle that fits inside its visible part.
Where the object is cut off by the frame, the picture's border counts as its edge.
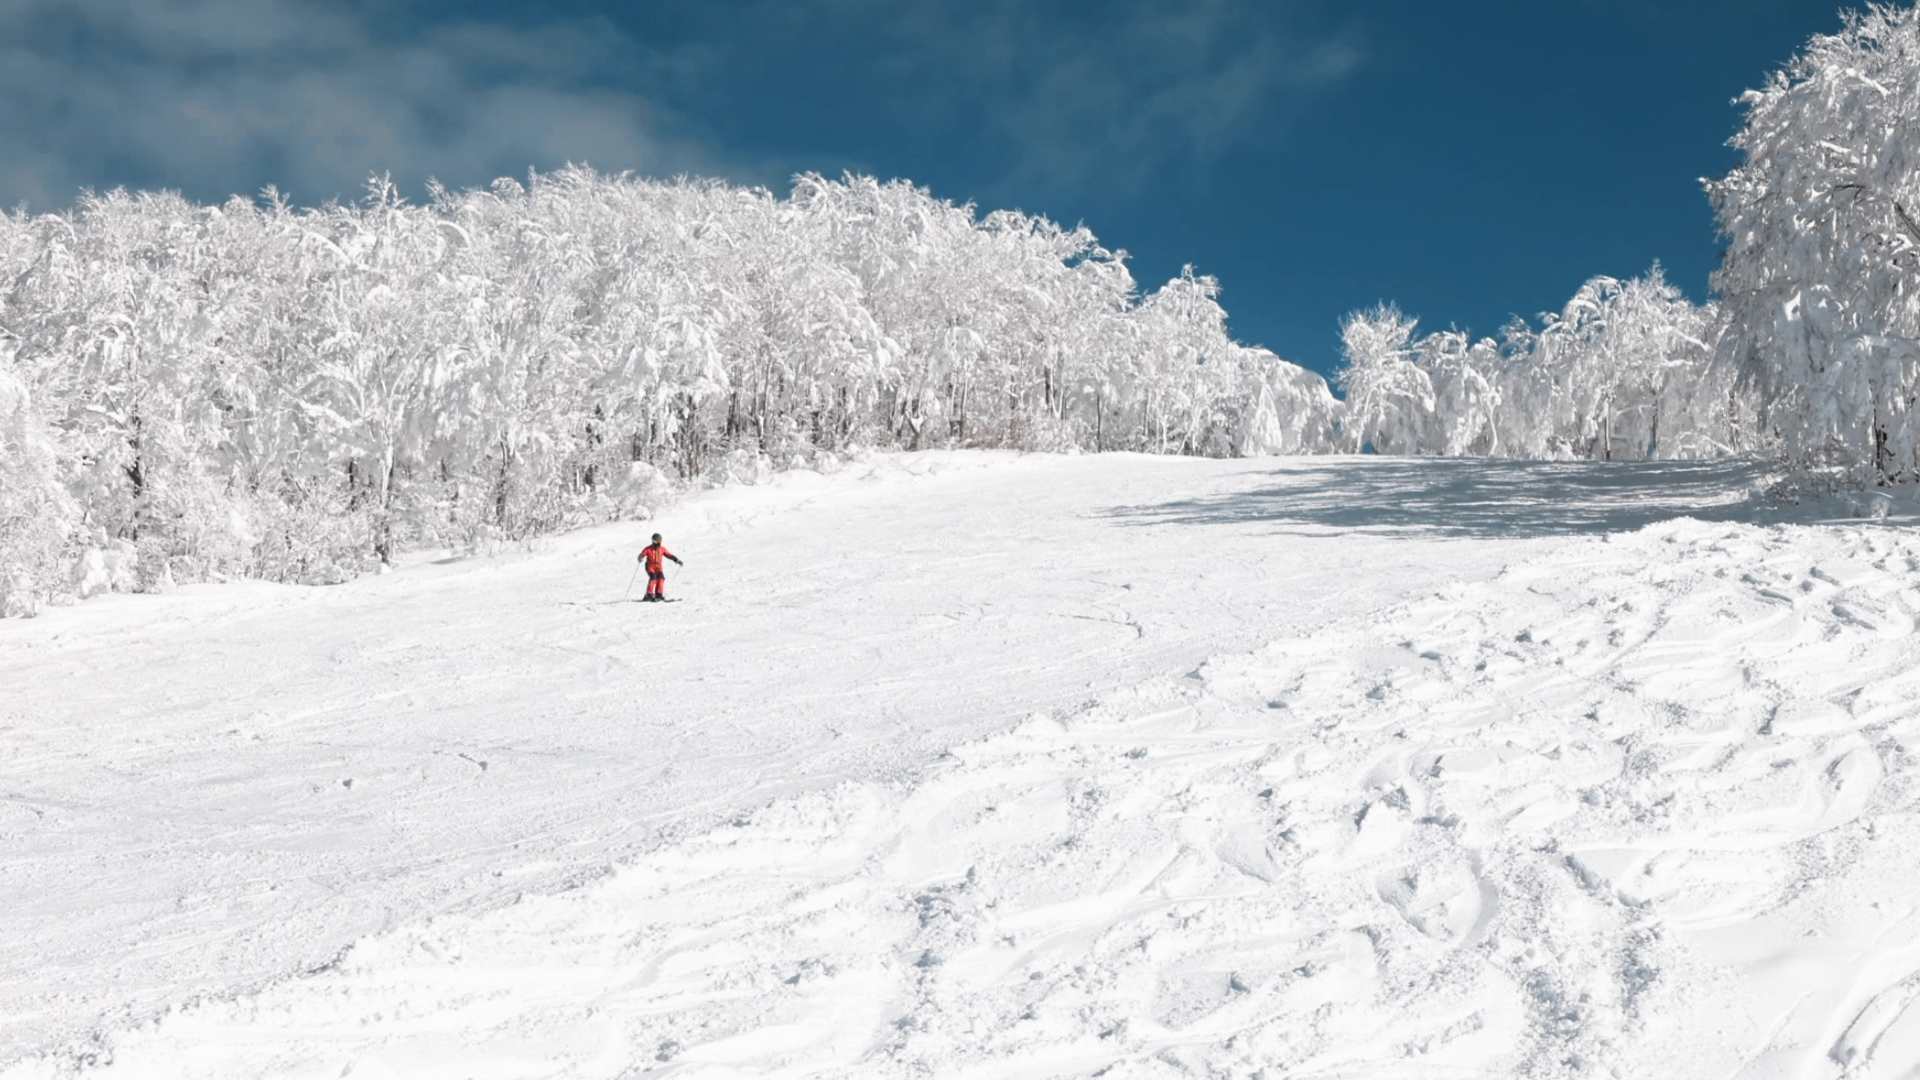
(628, 595)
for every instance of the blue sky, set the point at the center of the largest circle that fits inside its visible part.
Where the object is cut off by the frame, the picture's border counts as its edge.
(1467, 160)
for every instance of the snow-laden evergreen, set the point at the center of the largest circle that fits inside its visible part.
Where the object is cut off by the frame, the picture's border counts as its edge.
(257, 389)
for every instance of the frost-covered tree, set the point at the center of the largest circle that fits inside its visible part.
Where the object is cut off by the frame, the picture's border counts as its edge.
(1294, 412)
(1390, 402)
(1466, 399)
(36, 513)
(1822, 222)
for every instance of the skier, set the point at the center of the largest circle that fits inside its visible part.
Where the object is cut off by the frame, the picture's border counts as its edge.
(654, 555)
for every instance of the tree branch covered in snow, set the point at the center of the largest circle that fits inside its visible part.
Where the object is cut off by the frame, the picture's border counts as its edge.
(298, 394)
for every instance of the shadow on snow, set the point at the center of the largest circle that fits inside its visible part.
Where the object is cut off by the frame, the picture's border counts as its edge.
(1483, 497)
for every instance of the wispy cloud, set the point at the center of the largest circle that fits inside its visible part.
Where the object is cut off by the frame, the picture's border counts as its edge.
(1122, 87)
(219, 96)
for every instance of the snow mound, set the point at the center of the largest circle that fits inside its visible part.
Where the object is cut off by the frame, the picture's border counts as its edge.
(1646, 808)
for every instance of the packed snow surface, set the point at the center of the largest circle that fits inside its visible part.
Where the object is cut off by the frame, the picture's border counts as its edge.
(975, 765)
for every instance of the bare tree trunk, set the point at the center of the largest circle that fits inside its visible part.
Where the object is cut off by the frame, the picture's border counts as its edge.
(137, 476)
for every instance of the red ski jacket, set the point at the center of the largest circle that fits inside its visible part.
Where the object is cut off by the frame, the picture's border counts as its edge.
(655, 556)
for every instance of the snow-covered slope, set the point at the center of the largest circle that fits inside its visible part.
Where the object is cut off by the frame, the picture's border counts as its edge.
(1324, 793)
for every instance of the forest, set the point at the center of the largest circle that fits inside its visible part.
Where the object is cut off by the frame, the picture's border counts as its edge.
(257, 389)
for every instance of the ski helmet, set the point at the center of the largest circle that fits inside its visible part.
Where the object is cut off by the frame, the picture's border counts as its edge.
(656, 538)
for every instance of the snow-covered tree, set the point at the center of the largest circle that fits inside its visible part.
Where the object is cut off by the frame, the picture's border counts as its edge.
(1822, 222)
(37, 518)
(1390, 401)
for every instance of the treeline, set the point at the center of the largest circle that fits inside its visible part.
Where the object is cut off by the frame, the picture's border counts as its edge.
(1625, 372)
(298, 394)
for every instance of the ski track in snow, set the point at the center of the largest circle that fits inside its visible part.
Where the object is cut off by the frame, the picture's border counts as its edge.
(1639, 805)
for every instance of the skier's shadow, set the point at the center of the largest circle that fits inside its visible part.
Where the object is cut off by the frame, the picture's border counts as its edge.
(1482, 497)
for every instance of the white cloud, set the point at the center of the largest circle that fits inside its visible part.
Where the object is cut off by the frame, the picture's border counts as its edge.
(216, 97)
(1106, 97)
(219, 96)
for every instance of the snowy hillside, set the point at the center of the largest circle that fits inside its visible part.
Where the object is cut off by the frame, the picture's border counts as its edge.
(973, 765)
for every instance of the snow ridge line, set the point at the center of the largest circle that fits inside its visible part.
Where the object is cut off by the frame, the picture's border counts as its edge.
(1621, 810)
